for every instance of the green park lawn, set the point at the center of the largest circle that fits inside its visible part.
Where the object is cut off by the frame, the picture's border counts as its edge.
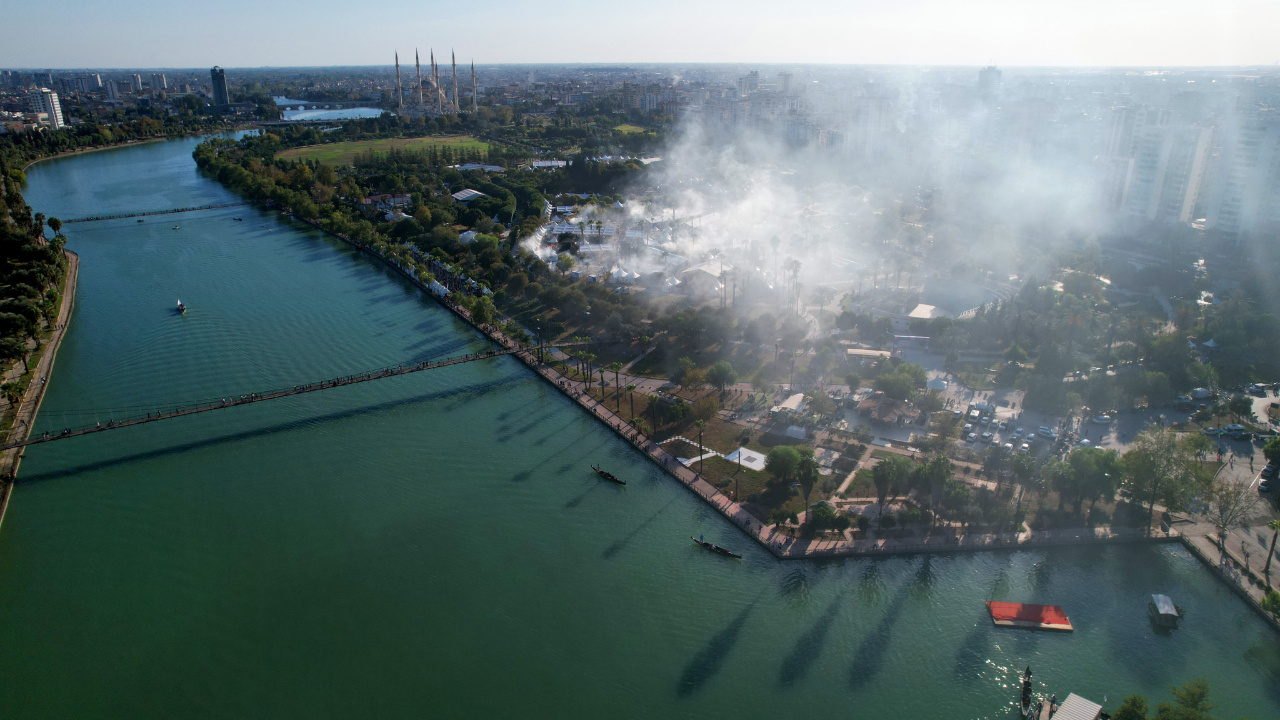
(343, 153)
(627, 129)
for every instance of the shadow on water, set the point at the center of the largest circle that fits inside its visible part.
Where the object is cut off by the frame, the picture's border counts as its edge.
(972, 654)
(869, 657)
(808, 647)
(621, 543)
(796, 587)
(708, 661)
(872, 587)
(474, 390)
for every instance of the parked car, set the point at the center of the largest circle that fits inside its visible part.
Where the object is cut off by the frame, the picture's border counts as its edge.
(1266, 485)
(1210, 431)
(1269, 471)
(1047, 432)
(986, 437)
(968, 427)
(1101, 420)
(1026, 447)
(986, 421)
(1008, 447)
(1004, 424)
(971, 437)
(1017, 433)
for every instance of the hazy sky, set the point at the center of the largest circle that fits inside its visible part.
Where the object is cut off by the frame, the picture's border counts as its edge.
(241, 33)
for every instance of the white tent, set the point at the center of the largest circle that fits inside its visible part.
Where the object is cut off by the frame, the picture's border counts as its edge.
(936, 384)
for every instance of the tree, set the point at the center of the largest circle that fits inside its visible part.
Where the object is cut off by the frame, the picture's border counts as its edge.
(1191, 702)
(631, 394)
(782, 461)
(1231, 502)
(564, 263)
(1161, 468)
(702, 450)
(483, 311)
(12, 348)
(721, 374)
(1015, 353)
(616, 369)
(853, 380)
(807, 473)
(55, 225)
(705, 408)
(887, 476)
(1275, 532)
(1133, 707)
(1241, 406)
(820, 403)
(693, 379)
(1272, 450)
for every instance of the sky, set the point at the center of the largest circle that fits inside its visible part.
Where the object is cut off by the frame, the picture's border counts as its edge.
(1010, 33)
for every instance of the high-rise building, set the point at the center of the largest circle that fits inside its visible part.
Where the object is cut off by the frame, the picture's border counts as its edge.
(784, 82)
(1169, 165)
(112, 92)
(135, 83)
(220, 97)
(43, 100)
(158, 82)
(989, 82)
(1245, 198)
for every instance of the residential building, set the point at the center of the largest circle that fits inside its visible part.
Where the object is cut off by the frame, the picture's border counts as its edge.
(158, 82)
(45, 101)
(220, 96)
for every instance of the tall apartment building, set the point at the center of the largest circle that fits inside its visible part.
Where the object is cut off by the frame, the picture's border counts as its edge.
(44, 100)
(113, 93)
(219, 76)
(989, 82)
(1245, 198)
(135, 83)
(1169, 165)
(158, 82)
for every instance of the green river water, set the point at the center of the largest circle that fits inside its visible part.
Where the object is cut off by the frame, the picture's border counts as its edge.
(436, 545)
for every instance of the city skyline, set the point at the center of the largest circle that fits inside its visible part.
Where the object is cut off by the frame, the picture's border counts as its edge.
(927, 32)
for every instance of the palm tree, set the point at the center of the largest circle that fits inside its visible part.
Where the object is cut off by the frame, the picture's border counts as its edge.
(653, 411)
(701, 450)
(616, 367)
(1275, 530)
(807, 473)
(631, 393)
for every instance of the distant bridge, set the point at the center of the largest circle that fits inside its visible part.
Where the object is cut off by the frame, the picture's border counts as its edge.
(93, 218)
(256, 397)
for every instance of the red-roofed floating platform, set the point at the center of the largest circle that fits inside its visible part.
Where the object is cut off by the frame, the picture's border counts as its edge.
(1032, 617)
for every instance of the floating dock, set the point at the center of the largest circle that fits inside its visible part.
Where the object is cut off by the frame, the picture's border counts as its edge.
(1032, 617)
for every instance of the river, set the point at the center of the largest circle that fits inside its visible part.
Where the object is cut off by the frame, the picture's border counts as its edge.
(435, 544)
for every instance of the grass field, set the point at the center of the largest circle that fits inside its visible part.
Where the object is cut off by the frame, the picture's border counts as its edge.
(627, 129)
(344, 152)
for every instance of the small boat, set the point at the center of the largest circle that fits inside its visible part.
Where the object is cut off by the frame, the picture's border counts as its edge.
(1026, 693)
(239, 219)
(715, 548)
(140, 220)
(175, 227)
(608, 476)
(1163, 612)
(182, 309)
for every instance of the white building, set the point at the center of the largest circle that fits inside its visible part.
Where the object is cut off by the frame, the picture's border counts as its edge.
(45, 101)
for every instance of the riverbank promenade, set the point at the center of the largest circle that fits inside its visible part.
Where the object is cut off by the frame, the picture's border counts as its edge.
(31, 399)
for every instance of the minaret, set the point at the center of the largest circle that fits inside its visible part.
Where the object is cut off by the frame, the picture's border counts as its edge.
(457, 104)
(418, 65)
(473, 86)
(399, 95)
(435, 81)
